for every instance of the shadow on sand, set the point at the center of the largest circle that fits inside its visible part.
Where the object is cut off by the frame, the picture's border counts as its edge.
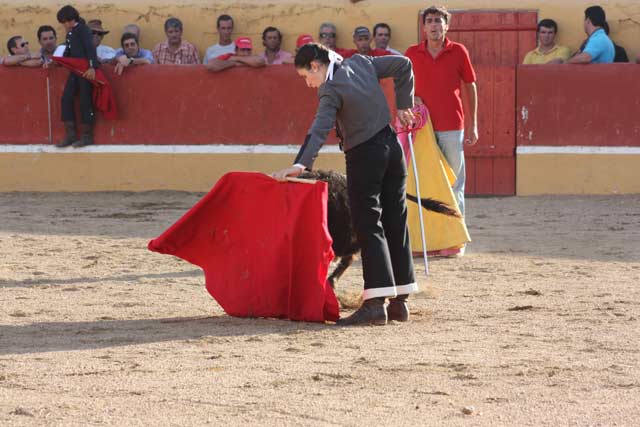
(131, 278)
(100, 334)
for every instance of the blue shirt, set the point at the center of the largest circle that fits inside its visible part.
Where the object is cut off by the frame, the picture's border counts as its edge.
(600, 47)
(142, 53)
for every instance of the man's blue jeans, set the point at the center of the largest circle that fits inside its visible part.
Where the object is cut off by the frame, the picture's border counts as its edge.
(451, 145)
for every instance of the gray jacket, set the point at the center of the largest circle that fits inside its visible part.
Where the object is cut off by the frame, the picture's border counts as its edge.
(355, 99)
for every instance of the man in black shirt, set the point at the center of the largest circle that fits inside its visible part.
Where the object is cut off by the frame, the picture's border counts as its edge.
(79, 44)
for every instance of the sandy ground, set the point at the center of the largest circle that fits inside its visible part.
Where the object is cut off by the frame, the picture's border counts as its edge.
(536, 325)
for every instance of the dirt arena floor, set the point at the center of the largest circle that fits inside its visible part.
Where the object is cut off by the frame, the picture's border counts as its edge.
(536, 325)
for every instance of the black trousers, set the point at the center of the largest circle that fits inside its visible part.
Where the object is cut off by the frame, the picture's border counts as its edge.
(376, 182)
(74, 85)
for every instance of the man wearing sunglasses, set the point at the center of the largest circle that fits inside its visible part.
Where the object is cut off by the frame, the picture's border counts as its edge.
(19, 54)
(327, 37)
(105, 53)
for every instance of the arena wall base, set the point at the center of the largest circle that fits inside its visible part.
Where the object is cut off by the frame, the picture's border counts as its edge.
(588, 172)
(83, 170)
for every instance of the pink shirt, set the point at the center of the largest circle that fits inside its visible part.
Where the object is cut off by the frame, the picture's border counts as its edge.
(281, 56)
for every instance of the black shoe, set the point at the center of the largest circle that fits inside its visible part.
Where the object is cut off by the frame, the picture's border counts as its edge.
(70, 135)
(86, 136)
(371, 312)
(398, 309)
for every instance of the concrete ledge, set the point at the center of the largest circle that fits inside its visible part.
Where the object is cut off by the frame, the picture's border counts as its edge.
(617, 172)
(98, 168)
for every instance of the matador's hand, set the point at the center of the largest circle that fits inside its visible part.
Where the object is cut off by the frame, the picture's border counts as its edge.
(90, 74)
(293, 171)
(406, 117)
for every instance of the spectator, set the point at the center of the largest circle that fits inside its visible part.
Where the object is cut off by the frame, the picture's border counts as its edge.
(78, 44)
(362, 40)
(131, 53)
(105, 53)
(621, 53)
(132, 29)
(19, 54)
(225, 45)
(382, 36)
(47, 38)
(303, 39)
(441, 67)
(243, 56)
(273, 55)
(327, 35)
(547, 52)
(174, 50)
(599, 48)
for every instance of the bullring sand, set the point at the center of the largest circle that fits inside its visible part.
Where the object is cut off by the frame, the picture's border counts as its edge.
(536, 325)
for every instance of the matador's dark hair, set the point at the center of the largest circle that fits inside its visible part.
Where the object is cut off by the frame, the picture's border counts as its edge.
(311, 52)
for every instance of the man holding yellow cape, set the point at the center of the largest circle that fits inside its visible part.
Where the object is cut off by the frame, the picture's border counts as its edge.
(442, 70)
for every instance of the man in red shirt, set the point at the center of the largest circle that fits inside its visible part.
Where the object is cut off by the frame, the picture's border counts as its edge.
(441, 67)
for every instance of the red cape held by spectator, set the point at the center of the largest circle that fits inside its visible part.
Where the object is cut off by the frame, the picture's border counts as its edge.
(103, 97)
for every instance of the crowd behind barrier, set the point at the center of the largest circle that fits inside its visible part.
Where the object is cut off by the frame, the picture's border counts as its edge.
(176, 50)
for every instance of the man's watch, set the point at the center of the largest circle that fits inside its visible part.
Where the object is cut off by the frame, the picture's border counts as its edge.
(130, 60)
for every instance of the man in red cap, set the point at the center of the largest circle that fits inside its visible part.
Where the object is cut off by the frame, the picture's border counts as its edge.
(302, 40)
(243, 56)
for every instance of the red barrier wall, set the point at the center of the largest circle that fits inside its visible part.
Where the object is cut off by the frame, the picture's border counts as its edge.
(490, 164)
(593, 105)
(23, 106)
(169, 105)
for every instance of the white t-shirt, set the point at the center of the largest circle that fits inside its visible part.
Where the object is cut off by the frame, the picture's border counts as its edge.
(105, 53)
(395, 52)
(60, 50)
(217, 50)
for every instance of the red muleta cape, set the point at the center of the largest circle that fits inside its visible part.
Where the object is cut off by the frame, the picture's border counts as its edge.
(103, 98)
(264, 247)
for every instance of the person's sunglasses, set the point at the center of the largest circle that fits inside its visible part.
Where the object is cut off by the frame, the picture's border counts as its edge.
(23, 44)
(97, 33)
(327, 35)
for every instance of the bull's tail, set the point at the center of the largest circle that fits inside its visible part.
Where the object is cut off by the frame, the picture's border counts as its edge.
(435, 206)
